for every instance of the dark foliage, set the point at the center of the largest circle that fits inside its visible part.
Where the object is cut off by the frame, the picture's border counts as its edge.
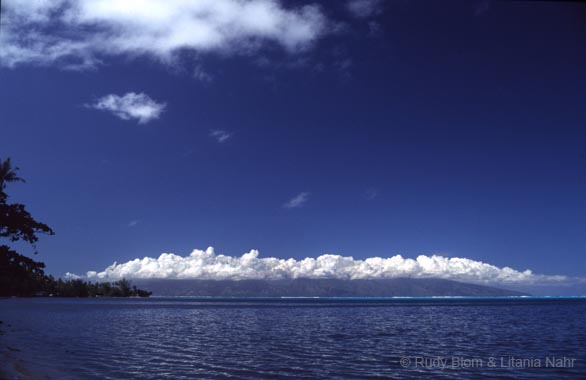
(22, 276)
(80, 288)
(16, 223)
(19, 275)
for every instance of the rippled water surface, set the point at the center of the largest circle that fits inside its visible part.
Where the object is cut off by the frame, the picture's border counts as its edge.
(296, 339)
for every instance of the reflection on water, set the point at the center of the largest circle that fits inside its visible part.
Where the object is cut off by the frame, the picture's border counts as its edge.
(187, 339)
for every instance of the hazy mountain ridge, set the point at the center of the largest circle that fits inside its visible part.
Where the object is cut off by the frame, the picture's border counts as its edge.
(304, 287)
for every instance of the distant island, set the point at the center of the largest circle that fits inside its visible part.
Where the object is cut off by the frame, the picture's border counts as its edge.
(305, 287)
(22, 276)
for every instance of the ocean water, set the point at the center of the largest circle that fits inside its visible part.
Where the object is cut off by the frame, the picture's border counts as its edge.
(186, 338)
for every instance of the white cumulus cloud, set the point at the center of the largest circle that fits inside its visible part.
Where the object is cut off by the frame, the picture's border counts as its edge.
(83, 33)
(130, 106)
(297, 201)
(209, 265)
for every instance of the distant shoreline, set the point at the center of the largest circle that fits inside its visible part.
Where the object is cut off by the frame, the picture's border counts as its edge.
(325, 298)
(374, 298)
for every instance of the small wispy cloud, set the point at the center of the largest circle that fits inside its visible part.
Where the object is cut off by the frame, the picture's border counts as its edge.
(220, 135)
(371, 193)
(130, 106)
(481, 7)
(201, 75)
(375, 29)
(133, 223)
(343, 66)
(364, 8)
(297, 201)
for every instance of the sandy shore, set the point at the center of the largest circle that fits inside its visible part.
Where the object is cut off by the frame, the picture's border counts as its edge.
(12, 365)
(12, 368)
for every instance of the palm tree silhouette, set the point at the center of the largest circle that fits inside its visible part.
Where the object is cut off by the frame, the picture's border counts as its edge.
(8, 173)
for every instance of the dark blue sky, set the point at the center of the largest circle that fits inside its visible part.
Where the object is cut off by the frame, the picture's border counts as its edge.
(424, 127)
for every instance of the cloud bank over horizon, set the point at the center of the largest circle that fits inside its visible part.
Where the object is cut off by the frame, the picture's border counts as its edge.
(207, 265)
(79, 34)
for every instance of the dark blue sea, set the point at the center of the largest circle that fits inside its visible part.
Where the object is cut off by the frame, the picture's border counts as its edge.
(187, 338)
